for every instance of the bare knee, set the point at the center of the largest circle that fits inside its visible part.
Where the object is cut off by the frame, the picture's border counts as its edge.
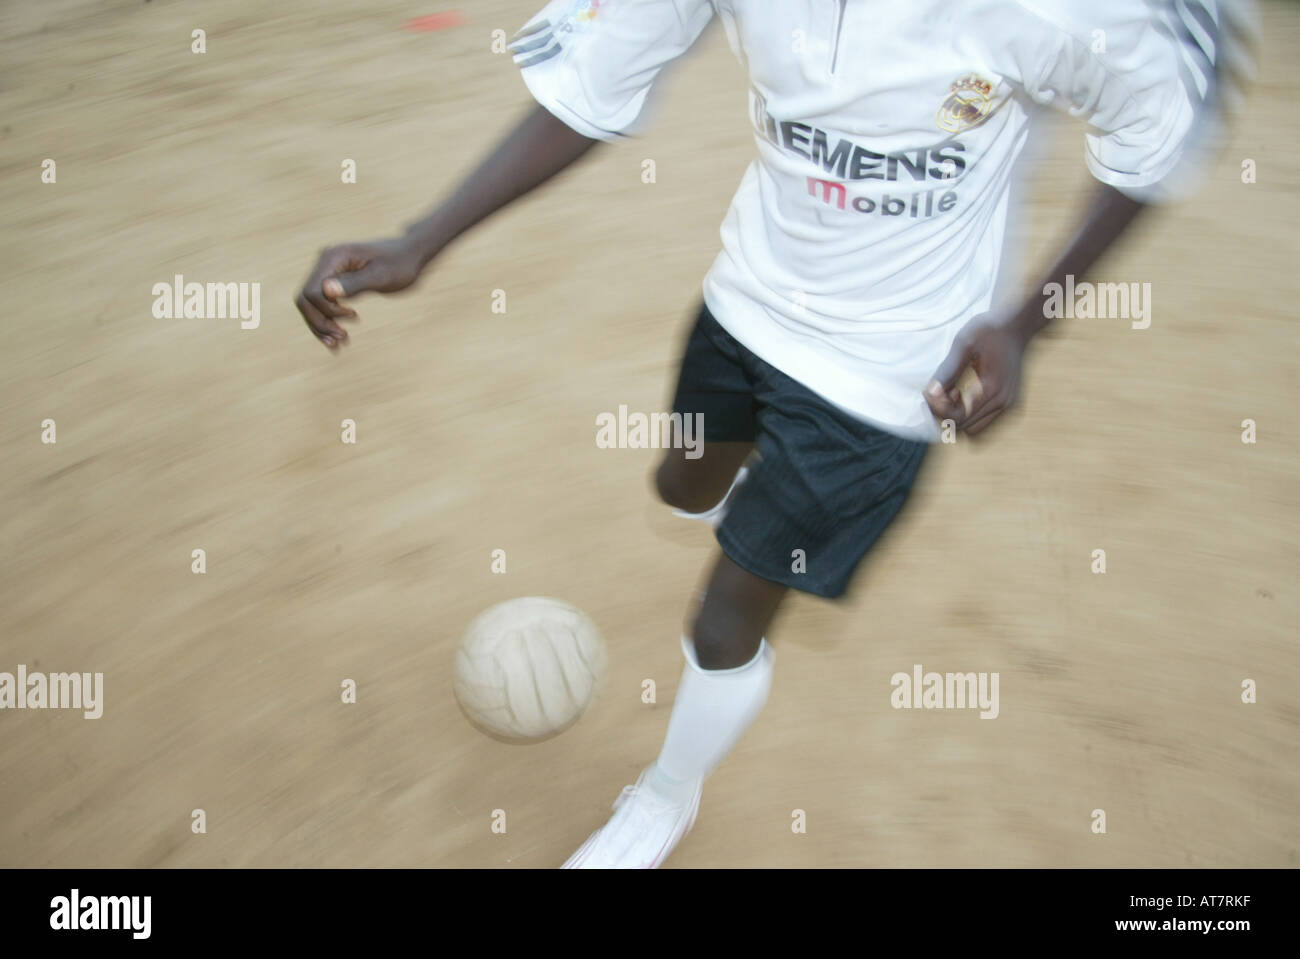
(696, 485)
(721, 644)
(677, 488)
(728, 629)
(737, 611)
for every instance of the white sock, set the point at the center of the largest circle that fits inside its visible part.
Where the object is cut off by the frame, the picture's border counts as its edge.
(713, 709)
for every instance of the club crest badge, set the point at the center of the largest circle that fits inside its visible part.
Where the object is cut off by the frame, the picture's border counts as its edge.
(585, 11)
(968, 103)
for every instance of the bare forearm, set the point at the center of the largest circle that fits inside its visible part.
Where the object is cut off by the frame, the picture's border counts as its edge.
(1110, 215)
(536, 150)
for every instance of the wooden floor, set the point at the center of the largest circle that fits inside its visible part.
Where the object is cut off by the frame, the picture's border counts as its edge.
(475, 432)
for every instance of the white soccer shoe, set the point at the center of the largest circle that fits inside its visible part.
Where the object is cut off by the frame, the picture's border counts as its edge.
(717, 514)
(646, 826)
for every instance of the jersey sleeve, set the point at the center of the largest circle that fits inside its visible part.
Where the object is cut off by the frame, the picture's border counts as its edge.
(1151, 79)
(592, 62)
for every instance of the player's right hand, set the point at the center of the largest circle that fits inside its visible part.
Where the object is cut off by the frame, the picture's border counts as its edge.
(384, 266)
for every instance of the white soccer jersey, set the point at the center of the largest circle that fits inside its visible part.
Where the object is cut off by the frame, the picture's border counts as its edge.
(869, 229)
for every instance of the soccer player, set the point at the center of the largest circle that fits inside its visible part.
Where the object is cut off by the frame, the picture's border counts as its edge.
(855, 285)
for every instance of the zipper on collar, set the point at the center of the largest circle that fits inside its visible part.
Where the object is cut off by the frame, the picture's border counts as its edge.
(835, 41)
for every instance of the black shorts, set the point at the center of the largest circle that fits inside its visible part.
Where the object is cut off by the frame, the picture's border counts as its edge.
(827, 484)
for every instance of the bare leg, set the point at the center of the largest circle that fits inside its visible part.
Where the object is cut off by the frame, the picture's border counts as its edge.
(695, 485)
(737, 611)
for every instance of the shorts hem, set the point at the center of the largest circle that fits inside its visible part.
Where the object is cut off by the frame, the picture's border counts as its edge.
(800, 582)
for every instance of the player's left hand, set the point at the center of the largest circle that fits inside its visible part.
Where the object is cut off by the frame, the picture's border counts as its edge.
(993, 347)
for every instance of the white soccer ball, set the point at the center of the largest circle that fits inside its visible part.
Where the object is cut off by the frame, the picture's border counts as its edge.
(527, 668)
